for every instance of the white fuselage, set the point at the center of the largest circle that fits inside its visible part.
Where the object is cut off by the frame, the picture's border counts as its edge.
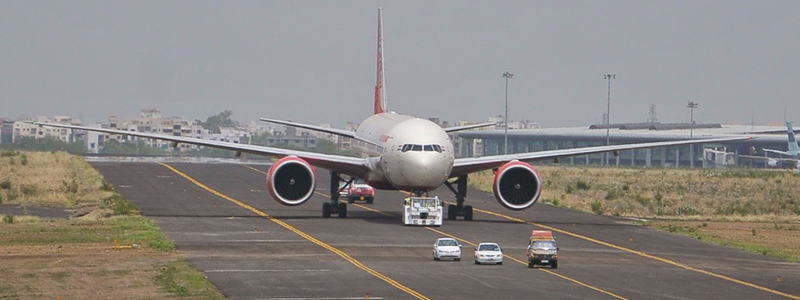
(405, 152)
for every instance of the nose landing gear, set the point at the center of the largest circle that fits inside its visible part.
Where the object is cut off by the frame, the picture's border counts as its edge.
(460, 190)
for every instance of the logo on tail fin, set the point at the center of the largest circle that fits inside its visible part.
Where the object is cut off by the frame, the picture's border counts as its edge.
(380, 94)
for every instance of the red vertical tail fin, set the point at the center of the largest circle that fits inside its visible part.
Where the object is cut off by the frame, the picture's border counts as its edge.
(380, 93)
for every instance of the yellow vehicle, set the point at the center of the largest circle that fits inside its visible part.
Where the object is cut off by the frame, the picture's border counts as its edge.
(542, 249)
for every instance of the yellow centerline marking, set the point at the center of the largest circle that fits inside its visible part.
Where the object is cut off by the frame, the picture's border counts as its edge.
(291, 228)
(642, 254)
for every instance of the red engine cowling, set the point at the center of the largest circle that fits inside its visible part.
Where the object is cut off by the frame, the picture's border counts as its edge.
(517, 185)
(291, 181)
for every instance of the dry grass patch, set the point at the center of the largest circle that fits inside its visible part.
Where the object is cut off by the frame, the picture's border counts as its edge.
(51, 179)
(669, 193)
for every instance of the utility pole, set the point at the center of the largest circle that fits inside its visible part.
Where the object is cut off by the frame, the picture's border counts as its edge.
(692, 105)
(608, 77)
(507, 76)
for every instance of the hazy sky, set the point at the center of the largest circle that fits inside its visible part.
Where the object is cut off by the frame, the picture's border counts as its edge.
(314, 61)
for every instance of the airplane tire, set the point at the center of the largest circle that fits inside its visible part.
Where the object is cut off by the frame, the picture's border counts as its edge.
(451, 212)
(326, 210)
(468, 213)
(342, 210)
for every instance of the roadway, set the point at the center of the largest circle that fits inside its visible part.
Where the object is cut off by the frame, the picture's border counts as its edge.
(223, 220)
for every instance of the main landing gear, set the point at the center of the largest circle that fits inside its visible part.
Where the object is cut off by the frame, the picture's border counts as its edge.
(334, 206)
(460, 189)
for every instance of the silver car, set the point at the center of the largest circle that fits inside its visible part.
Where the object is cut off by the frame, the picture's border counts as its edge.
(488, 253)
(447, 248)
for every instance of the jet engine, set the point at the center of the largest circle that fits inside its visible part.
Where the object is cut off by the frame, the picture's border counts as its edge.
(517, 185)
(290, 181)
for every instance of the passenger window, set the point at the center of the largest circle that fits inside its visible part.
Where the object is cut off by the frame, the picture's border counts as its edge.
(416, 148)
(428, 148)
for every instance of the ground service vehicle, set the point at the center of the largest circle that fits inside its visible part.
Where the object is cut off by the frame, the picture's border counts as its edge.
(446, 248)
(488, 253)
(422, 211)
(360, 191)
(542, 249)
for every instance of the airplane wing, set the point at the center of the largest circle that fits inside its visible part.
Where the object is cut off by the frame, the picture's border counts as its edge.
(352, 166)
(344, 133)
(777, 152)
(463, 166)
(465, 127)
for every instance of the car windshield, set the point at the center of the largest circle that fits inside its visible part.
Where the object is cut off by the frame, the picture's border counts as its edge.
(544, 245)
(448, 243)
(489, 248)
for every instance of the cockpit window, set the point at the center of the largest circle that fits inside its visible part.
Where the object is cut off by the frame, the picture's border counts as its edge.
(429, 148)
(416, 148)
(406, 148)
(437, 148)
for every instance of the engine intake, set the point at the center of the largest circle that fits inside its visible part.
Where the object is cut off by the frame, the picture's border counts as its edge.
(517, 185)
(291, 181)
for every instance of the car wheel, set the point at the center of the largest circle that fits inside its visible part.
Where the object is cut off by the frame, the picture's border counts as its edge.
(476, 262)
(458, 259)
(554, 265)
(500, 263)
(350, 199)
(530, 264)
(369, 200)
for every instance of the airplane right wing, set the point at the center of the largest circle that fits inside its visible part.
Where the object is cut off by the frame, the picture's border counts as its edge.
(352, 166)
(463, 166)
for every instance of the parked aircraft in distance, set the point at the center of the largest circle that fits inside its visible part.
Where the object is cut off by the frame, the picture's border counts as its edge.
(401, 153)
(789, 159)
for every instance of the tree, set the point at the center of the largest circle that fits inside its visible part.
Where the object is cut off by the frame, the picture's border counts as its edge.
(215, 122)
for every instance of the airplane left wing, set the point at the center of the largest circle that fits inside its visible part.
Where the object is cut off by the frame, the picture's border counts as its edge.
(463, 166)
(352, 166)
(465, 127)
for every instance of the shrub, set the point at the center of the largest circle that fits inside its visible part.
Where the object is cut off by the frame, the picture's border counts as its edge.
(5, 184)
(8, 219)
(583, 185)
(119, 205)
(597, 207)
(106, 186)
(612, 194)
(29, 190)
(570, 189)
(24, 160)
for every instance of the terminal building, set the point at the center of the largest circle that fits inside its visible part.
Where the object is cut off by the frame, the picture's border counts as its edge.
(492, 142)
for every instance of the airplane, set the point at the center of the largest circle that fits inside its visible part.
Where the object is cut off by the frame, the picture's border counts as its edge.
(793, 152)
(400, 152)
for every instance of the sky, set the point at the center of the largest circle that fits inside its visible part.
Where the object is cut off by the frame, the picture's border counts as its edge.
(315, 61)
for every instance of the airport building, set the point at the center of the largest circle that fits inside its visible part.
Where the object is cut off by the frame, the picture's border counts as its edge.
(492, 142)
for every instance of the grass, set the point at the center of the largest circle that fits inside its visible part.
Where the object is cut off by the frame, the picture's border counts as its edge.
(179, 278)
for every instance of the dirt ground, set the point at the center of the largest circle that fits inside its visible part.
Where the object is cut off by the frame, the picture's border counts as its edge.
(79, 271)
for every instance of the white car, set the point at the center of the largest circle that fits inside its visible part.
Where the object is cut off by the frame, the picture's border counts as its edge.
(488, 253)
(446, 248)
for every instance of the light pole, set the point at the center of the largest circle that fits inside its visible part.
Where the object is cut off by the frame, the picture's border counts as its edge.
(608, 78)
(692, 105)
(507, 76)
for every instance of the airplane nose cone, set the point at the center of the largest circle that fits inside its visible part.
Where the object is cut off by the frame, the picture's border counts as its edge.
(426, 170)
